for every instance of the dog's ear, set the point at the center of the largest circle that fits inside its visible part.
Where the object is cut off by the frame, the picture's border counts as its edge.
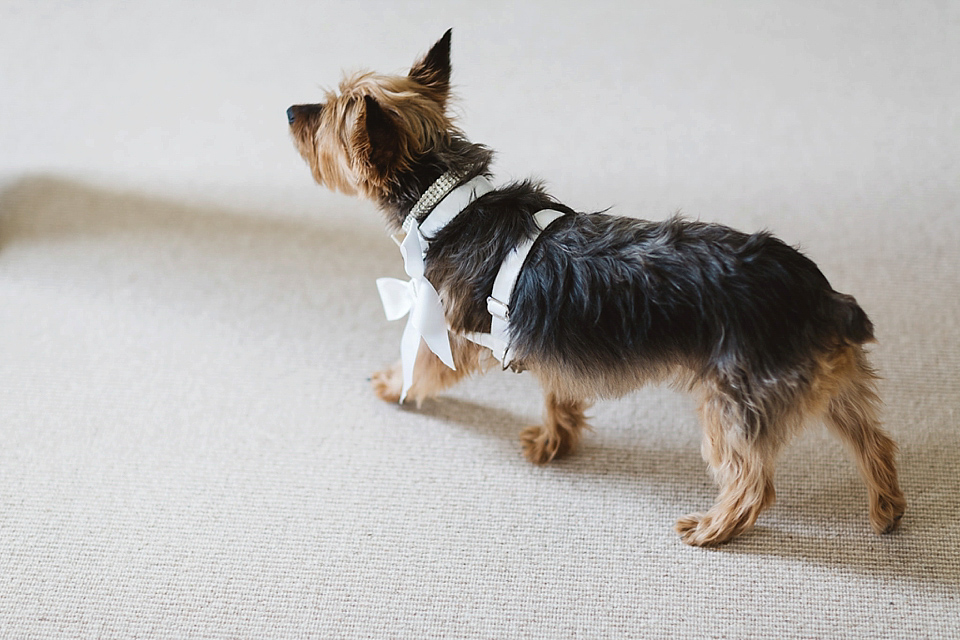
(377, 140)
(433, 70)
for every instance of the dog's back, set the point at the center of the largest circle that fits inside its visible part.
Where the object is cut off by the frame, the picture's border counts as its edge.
(602, 291)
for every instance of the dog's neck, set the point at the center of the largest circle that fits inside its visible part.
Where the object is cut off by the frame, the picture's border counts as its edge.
(459, 156)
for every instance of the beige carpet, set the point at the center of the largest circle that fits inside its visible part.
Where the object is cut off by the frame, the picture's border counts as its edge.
(189, 445)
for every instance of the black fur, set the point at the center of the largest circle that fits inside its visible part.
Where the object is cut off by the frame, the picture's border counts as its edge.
(601, 291)
(602, 296)
(607, 292)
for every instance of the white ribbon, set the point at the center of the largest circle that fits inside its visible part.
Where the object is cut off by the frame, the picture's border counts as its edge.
(420, 300)
(417, 297)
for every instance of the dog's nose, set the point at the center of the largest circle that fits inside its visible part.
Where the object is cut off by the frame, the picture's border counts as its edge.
(303, 113)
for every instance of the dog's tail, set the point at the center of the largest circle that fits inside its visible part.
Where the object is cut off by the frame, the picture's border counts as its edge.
(853, 325)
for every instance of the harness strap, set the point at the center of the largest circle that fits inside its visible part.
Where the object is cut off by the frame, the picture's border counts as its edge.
(498, 303)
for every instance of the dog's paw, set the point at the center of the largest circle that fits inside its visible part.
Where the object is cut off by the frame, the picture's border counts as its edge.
(703, 530)
(886, 512)
(387, 384)
(540, 446)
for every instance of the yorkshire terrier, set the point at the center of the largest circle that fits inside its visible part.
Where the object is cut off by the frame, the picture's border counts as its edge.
(603, 304)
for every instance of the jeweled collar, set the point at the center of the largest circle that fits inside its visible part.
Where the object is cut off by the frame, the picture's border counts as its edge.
(441, 203)
(432, 197)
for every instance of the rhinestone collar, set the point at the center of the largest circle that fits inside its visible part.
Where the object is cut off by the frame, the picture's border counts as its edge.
(432, 197)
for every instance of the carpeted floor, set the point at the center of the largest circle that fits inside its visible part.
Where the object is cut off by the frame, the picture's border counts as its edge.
(190, 446)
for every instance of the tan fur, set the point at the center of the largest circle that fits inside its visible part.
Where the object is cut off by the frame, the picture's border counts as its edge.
(742, 467)
(852, 414)
(843, 395)
(560, 432)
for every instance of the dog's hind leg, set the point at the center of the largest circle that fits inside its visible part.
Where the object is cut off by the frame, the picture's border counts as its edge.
(852, 414)
(742, 461)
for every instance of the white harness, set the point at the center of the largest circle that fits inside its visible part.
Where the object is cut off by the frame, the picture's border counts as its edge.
(417, 296)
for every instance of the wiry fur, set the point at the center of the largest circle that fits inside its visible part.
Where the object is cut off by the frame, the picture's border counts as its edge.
(605, 304)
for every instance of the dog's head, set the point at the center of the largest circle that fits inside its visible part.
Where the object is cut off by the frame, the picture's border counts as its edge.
(361, 138)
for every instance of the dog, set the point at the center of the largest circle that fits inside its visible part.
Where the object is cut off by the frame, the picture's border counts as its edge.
(603, 305)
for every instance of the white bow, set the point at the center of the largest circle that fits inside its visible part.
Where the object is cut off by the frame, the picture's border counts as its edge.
(420, 300)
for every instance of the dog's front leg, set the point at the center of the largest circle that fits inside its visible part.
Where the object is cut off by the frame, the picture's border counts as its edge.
(430, 375)
(560, 432)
